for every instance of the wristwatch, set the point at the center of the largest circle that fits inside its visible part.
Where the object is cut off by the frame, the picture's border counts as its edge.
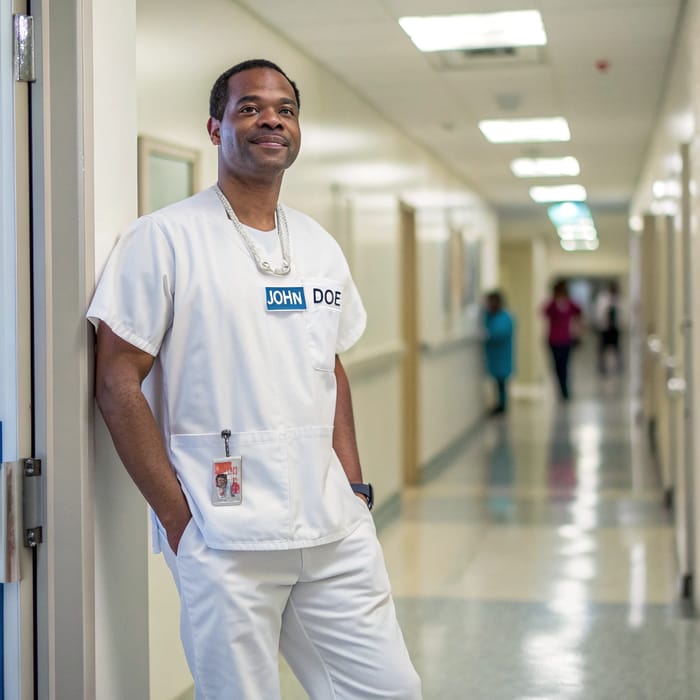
(367, 491)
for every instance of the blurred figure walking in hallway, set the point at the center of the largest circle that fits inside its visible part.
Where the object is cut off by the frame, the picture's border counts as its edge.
(564, 316)
(499, 328)
(608, 320)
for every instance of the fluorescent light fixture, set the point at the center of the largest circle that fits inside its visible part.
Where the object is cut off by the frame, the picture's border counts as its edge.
(666, 188)
(525, 130)
(569, 212)
(475, 31)
(559, 193)
(545, 167)
(571, 246)
(578, 232)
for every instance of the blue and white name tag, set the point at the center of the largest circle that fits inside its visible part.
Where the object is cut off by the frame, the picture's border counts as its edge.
(285, 298)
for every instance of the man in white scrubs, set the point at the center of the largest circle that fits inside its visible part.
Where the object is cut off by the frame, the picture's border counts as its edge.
(234, 308)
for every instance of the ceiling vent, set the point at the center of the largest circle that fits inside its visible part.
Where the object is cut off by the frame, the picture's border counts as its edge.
(479, 59)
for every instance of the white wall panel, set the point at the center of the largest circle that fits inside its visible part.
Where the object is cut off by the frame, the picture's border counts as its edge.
(379, 440)
(374, 259)
(452, 389)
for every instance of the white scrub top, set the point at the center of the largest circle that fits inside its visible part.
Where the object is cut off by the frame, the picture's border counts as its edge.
(245, 351)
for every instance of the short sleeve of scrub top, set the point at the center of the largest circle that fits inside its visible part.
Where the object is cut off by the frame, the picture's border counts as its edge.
(353, 319)
(135, 294)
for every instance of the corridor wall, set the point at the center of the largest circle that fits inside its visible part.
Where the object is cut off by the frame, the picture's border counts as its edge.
(673, 165)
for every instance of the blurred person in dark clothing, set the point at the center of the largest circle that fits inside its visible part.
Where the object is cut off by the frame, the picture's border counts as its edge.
(608, 319)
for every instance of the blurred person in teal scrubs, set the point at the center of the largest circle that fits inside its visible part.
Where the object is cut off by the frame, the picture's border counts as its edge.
(499, 332)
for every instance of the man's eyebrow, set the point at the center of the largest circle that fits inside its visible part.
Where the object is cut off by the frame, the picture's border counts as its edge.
(257, 98)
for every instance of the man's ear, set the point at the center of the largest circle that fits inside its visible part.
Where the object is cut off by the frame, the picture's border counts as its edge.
(214, 129)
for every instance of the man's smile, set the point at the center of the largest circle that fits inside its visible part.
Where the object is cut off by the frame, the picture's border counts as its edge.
(270, 141)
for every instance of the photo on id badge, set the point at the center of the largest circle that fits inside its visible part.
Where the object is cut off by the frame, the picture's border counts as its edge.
(227, 481)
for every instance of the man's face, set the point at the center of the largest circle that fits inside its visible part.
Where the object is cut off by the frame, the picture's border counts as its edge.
(259, 135)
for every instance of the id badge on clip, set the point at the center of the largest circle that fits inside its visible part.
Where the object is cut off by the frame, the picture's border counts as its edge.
(227, 478)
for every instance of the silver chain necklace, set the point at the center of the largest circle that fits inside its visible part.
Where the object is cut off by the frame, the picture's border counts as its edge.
(282, 232)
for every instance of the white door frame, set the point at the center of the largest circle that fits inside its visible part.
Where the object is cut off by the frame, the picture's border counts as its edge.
(63, 279)
(15, 356)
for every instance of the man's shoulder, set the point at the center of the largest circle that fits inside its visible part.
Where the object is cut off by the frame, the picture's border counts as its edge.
(177, 221)
(194, 205)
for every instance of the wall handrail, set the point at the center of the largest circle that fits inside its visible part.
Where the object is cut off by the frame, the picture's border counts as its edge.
(449, 343)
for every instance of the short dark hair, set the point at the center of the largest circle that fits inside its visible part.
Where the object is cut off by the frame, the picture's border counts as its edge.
(495, 298)
(219, 92)
(560, 287)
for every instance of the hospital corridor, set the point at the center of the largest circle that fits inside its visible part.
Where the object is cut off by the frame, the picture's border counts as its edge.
(352, 266)
(538, 561)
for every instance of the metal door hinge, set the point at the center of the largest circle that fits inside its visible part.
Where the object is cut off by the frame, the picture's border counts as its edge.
(33, 503)
(23, 26)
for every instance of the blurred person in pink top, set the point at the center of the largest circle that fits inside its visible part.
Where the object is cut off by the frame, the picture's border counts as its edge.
(564, 317)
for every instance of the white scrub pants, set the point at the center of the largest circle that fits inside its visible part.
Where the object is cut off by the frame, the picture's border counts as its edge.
(327, 609)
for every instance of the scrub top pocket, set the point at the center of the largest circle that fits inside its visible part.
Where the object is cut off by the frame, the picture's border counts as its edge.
(263, 514)
(322, 322)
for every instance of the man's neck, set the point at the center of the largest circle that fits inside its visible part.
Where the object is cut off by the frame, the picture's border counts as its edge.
(254, 203)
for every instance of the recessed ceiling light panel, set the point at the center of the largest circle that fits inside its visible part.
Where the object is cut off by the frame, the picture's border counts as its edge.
(545, 167)
(568, 213)
(475, 31)
(560, 193)
(571, 246)
(525, 130)
(578, 232)
(666, 188)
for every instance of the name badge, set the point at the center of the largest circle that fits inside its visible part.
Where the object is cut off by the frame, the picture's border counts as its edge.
(227, 481)
(285, 298)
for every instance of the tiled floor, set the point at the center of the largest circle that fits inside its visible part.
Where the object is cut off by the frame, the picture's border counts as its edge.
(539, 563)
